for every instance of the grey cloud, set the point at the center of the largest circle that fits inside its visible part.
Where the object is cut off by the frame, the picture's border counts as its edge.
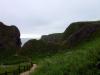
(47, 16)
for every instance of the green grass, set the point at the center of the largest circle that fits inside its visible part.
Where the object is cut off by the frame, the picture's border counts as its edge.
(81, 60)
(38, 49)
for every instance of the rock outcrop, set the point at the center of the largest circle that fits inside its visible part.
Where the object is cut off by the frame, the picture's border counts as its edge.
(55, 38)
(9, 38)
(81, 31)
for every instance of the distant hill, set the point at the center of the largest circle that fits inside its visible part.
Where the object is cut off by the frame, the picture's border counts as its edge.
(24, 40)
(37, 47)
(52, 38)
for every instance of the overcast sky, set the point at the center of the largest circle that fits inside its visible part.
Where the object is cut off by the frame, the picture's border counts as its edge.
(38, 17)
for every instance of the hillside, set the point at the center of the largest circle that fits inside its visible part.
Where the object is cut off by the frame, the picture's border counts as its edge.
(78, 51)
(38, 48)
(76, 26)
(81, 31)
(73, 52)
(81, 60)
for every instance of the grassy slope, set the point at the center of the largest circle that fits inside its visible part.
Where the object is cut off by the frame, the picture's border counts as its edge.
(80, 61)
(38, 49)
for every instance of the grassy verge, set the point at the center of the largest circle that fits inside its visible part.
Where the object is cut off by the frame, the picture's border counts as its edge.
(81, 60)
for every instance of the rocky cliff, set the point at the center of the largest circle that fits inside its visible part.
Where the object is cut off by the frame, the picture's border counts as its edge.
(9, 39)
(81, 31)
(55, 38)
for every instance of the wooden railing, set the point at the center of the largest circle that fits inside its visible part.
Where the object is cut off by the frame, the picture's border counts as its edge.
(19, 70)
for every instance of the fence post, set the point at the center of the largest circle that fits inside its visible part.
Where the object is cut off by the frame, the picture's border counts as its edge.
(19, 69)
(24, 68)
(5, 72)
(14, 73)
(31, 64)
(27, 67)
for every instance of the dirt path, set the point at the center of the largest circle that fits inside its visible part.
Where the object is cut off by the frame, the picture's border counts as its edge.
(31, 70)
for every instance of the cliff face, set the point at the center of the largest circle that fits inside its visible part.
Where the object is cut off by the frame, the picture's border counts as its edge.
(52, 38)
(9, 38)
(81, 31)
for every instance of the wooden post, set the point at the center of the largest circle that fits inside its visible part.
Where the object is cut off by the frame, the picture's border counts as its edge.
(24, 68)
(31, 64)
(27, 67)
(19, 69)
(6, 73)
(14, 73)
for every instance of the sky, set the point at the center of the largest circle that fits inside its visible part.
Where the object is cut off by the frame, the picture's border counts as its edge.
(41, 17)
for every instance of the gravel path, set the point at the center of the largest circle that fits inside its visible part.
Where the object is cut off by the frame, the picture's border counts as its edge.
(31, 70)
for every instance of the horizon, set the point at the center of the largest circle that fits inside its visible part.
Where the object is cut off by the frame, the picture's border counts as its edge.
(31, 36)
